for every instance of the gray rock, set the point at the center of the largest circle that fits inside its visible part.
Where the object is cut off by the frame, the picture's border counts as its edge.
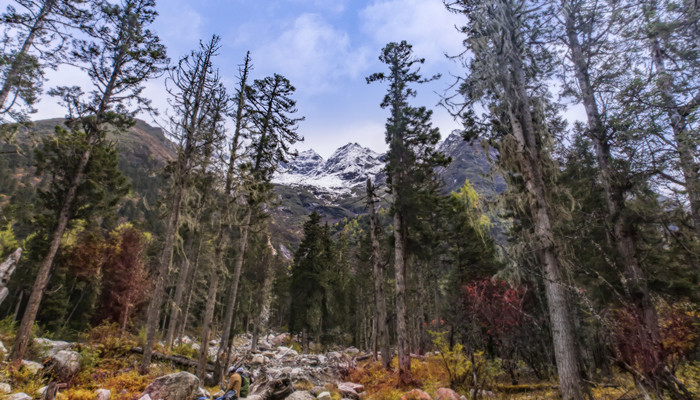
(179, 386)
(65, 364)
(20, 396)
(3, 352)
(258, 360)
(145, 397)
(48, 347)
(324, 396)
(102, 394)
(352, 350)
(301, 395)
(33, 367)
(5, 388)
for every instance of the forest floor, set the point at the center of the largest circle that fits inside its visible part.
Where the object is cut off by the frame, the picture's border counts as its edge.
(107, 362)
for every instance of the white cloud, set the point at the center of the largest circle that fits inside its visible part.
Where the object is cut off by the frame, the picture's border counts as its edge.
(427, 25)
(313, 54)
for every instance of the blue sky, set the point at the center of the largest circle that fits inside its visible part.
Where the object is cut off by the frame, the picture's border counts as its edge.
(325, 48)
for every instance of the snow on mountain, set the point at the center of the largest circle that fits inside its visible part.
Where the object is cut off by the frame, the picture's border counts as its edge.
(348, 167)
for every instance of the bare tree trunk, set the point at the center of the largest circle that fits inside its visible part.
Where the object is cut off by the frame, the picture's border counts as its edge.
(565, 347)
(208, 317)
(233, 292)
(164, 263)
(635, 280)
(191, 280)
(176, 304)
(401, 315)
(382, 333)
(42, 279)
(14, 72)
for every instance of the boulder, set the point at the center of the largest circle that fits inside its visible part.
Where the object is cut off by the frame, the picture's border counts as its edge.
(48, 347)
(102, 394)
(179, 386)
(286, 352)
(3, 352)
(301, 395)
(5, 388)
(446, 394)
(350, 390)
(317, 390)
(20, 396)
(31, 366)
(353, 386)
(65, 364)
(324, 396)
(186, 340)
(352, 350)
(258, 359)
(279, 339)
(416, 394)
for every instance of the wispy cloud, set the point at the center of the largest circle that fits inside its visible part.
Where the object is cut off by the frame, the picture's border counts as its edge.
(427, 25)
(313, 54)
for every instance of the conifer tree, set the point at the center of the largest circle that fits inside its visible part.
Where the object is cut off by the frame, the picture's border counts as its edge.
(199, 100)
(41, 29)
(122, 56)
(273, 129)
(410, 167)
(504, 37)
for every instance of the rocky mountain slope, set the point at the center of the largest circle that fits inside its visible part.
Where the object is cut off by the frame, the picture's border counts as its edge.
(335, 187)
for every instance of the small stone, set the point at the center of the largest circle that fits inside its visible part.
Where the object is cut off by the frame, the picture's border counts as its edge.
(20, 396)
(416, 394)
(5, 388)
(352, 350)
(446, 394)
(324, 396)
(103, 394)
(300, 395)
(145, 397)
(31, 366)
(41, 390)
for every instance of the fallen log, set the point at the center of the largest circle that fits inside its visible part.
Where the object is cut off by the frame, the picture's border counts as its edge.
(271, 389)
(176, 359)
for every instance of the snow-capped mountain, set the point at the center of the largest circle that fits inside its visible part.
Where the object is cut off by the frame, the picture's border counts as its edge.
(348, 167)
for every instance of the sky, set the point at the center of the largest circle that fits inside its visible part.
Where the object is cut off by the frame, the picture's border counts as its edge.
(325, 48)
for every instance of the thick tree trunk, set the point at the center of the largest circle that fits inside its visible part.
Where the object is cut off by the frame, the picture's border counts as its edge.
(635, 280)
(221, 365)
(565, 347)
(14, 72)
(42, 279)
(401, 315)
(164, 263)
(206, 324)
(176, 305)
(381, 333)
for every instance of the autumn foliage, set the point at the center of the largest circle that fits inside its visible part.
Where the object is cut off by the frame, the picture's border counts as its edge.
(124, 275)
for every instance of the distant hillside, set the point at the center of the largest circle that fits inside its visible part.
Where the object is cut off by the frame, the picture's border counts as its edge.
(143, 152)
(335, 188)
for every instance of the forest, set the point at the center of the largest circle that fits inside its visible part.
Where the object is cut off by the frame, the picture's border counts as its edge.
(580, 279)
